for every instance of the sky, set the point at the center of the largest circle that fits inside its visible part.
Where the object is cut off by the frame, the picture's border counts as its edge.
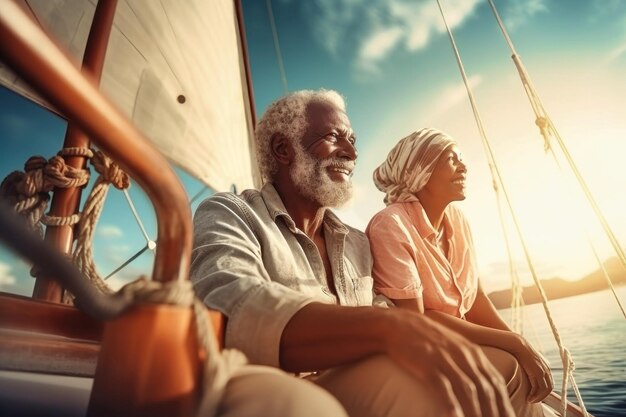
(392, 61)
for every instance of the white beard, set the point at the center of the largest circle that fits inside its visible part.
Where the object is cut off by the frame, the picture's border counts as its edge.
(310, 177)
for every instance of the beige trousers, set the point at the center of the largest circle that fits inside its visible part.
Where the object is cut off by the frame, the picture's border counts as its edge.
(377, 387)
(257, 391)
(374, 387)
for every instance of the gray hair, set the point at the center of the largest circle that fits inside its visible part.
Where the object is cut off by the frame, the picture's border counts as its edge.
(287, 116)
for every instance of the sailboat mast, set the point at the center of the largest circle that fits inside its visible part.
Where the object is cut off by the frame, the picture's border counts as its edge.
(246, 60)
(65, 201)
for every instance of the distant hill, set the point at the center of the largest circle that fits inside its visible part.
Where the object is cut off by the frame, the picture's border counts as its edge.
(560, 288)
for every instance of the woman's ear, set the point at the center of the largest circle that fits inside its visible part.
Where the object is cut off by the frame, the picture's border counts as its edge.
(282, 150)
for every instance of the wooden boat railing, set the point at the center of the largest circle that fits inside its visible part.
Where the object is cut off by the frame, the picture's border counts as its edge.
(149, 358)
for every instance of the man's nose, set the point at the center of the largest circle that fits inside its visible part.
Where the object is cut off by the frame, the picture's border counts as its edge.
(348, 150)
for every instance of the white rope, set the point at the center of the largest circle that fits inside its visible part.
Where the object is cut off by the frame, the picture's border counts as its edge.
(490, 156)
(517, 300)
(548, 130)
(150, 244)
(279, 57)
(601, 266)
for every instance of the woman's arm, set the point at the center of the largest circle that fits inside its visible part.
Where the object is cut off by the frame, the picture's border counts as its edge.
(484, 313)
(481, 333)
(484, 326)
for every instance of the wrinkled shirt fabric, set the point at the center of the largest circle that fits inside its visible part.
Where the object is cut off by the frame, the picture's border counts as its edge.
(253, 264)
(408, 262)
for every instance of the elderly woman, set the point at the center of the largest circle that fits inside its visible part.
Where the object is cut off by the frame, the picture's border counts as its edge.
(424, 259)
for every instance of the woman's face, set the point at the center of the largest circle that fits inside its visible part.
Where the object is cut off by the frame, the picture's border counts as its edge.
(447, 182)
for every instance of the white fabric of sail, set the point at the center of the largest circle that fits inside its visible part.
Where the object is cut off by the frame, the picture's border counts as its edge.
(161, 53)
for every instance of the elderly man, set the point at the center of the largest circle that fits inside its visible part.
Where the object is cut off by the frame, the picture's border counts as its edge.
(295, 282)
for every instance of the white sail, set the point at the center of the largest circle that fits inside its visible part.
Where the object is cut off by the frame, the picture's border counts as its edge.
(177, 72)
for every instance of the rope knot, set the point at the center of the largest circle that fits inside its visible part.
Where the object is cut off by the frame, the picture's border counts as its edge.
(110, 171)
(64, 176)
(35, 162)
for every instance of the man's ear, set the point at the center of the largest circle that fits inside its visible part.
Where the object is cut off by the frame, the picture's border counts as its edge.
(282, 149)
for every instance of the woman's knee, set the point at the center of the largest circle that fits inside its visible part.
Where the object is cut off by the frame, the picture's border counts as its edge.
(377, 387)
(503, 361)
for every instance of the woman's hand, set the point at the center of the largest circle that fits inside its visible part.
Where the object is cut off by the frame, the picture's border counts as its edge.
(458, 372)
(536, 368)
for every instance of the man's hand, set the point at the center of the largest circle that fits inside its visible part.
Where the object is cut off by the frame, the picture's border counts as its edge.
(536, 368)
(459, 373)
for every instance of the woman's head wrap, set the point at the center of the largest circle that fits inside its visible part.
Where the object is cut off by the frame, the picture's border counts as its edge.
(409, 165)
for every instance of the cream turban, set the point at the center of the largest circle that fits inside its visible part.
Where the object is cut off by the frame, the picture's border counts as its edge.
(409, 165)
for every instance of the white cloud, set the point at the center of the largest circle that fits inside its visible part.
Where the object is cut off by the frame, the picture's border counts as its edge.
(377, 47)
(451, 96)
(108, 231)
(616, 53)
(7, 279)
(519, 11)
(378, 28)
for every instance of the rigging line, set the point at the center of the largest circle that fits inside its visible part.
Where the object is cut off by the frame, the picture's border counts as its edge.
(544, 299)
(279, 58)
(495, 176)
(517, 301)
(128, 261)
(198, 194)
(605, 273)
(546, 127)
(150, 243)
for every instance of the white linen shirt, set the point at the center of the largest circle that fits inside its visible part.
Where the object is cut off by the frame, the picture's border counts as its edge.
(253, 264)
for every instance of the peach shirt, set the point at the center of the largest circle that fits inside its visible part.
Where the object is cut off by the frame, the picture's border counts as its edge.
(408, 263)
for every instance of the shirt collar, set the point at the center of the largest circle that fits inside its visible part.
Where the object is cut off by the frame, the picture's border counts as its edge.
(276, 208)
(422, 222)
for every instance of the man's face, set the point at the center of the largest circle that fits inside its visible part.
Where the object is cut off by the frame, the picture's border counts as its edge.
(325, 156)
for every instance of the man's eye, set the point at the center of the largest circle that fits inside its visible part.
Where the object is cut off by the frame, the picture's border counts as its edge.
(332, 137)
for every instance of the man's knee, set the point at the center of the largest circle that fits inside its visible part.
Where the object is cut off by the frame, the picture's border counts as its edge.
(266, 391)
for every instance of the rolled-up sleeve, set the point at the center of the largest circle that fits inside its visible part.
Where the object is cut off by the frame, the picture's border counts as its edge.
(228, 275)
(395, 268)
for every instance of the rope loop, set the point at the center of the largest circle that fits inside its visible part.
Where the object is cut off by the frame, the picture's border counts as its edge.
(76, 151)
(60, 221)
(110, 171)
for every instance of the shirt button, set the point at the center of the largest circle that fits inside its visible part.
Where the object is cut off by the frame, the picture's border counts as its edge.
(310, 246)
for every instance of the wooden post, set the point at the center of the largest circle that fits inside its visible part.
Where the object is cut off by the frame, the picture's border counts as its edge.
(65, 201)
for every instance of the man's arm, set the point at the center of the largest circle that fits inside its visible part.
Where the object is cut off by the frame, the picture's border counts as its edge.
(320, 336)
(228, 275)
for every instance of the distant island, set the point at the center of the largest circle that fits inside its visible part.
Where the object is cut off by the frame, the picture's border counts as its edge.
(560, 288)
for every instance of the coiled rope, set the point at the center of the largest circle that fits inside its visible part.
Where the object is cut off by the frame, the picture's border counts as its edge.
(28, 194)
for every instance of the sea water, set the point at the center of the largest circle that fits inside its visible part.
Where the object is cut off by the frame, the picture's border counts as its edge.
(593, 328)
